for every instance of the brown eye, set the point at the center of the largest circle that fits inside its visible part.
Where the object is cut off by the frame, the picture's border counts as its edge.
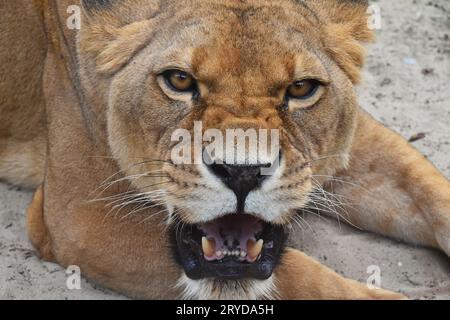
(303, 89)
(180, 80)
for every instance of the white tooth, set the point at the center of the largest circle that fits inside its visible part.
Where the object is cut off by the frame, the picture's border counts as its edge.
(243, 254)
(208, 246)
(254, 248)
(218, 253)
(235, 253)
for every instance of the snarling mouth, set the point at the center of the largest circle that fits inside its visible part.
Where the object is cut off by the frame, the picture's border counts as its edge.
(236, 246)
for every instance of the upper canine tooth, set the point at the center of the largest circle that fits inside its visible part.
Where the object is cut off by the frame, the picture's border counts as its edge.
(254, 248)
(208, 246)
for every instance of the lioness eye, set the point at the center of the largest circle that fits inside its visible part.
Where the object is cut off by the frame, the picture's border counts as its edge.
(180, 80)
(303, 89)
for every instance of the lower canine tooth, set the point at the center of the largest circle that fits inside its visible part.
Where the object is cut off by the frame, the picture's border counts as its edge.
(254, 248)
(208, 246)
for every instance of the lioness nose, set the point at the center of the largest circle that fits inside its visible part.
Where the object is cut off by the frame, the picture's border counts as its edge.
(240, 178)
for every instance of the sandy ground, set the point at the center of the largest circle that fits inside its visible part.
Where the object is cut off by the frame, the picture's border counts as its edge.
(406, 87)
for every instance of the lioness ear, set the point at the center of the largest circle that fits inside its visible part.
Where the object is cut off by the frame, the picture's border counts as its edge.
(345, 29)
(114, 30)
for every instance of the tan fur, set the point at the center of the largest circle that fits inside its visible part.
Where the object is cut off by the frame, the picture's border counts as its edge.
(106, 118)
(36, 226)
(22, 118)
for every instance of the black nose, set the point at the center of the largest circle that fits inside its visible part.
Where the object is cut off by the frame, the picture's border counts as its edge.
(240, 178)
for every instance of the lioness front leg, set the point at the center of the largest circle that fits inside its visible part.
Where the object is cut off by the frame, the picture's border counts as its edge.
(300, 277)
(394, 190)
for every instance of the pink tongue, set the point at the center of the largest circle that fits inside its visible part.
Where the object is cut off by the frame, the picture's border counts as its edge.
(232, 232)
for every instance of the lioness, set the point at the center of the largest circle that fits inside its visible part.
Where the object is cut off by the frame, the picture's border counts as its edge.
(87, 117)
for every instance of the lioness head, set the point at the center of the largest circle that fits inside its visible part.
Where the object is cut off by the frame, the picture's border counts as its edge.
(290, 66)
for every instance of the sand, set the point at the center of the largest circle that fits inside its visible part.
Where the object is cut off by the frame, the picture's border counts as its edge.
(406, 86)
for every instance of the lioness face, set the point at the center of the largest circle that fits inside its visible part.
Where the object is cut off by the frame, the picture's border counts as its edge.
(229, 65)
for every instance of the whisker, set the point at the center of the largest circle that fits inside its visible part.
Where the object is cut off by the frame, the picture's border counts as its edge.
(130, 167)
(328, 157)
(135, 177)
(299, 220)
(339, 180)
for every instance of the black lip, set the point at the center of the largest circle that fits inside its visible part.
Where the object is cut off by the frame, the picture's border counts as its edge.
(189, 254)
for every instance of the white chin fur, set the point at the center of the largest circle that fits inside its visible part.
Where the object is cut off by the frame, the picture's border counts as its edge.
(210, 289)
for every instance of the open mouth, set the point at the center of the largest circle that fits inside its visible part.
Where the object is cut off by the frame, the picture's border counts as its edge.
(236, 246)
